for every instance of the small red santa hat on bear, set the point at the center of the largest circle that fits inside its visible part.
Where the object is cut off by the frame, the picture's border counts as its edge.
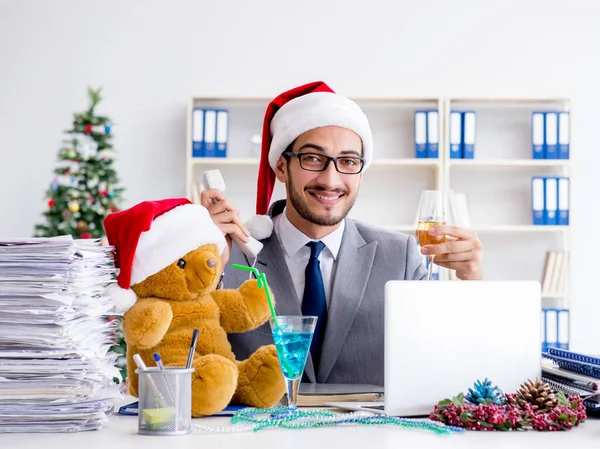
(150, 236)
(292, 113)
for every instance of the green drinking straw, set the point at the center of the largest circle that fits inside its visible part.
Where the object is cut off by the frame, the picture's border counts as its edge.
(262, 283)
(261, 279)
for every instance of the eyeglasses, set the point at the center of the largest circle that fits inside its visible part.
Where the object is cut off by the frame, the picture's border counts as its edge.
(347, 165)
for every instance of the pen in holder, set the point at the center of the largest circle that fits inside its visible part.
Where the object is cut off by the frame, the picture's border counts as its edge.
(165, 401)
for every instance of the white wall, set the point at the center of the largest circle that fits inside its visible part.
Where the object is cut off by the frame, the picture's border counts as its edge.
(150, 56)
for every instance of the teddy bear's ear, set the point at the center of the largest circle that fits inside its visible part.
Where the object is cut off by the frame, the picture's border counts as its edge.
(260, 226)
(122, 298)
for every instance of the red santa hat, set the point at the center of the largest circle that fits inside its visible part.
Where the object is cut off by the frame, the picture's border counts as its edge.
(292, 113)
(150, 236)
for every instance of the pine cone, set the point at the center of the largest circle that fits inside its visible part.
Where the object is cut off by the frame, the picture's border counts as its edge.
(485, 393)
(538, 394)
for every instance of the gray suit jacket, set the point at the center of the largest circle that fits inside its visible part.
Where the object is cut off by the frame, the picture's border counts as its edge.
(353, 348)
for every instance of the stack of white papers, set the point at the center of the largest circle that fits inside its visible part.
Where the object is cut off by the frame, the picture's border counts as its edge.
(56, 371)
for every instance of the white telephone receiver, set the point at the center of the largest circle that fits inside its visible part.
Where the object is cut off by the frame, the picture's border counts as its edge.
(212, 179)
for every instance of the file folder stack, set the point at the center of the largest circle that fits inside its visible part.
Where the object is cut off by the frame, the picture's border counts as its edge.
(550, 200)
(574, 374)
(56, 371)
(462, 134)
(427, 134)
(210, 132)
(550, 134)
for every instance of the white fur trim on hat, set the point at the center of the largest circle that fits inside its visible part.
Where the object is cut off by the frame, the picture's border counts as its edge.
(316, 110)
(171, 236)
(260, 226)
(122, 299)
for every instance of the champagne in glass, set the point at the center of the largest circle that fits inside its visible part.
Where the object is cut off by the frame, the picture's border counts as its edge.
(432, 212)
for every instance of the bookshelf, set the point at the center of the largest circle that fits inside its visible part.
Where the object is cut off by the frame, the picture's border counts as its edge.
(390, 189)
(497, 182)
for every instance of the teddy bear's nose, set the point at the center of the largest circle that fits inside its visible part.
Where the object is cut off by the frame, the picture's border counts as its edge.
(211, 263)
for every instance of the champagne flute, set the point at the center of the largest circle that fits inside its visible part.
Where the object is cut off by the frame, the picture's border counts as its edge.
(432, 212)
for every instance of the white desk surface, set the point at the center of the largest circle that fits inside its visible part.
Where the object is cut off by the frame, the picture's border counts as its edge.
(121, 432)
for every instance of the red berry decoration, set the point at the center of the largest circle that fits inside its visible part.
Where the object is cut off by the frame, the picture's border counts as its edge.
(51, 202)
(524, 410)
(88, 129)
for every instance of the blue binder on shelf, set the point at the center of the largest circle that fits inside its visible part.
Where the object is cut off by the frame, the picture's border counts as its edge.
(564, 134)
(563, 329)
(455, 135)
(538, 135)
(550, 324)
(537, 200)
(433, 134)
(420, 134)
(563, 201)
(222, 132)
(198, 132)
(210, 133)
(555, 329)
(468, 134)
(551, 131)
(550, 201)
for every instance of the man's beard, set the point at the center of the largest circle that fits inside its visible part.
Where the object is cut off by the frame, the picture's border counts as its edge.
(304, 210)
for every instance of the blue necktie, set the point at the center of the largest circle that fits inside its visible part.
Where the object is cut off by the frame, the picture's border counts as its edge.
(313, 301)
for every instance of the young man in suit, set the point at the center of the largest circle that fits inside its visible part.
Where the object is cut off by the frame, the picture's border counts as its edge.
(319, 144)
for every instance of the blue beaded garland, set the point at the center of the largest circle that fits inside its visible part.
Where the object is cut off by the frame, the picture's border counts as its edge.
(322, 418)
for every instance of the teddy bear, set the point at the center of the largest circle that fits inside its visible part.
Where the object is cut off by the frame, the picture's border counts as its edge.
(168, 255)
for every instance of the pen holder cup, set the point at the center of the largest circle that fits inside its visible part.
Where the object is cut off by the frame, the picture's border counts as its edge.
(165, 401)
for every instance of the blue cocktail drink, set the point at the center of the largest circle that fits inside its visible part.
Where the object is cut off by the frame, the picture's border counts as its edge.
(292, 336)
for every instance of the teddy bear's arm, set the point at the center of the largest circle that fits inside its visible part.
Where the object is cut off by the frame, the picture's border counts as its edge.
(243, 309)
(147, 322)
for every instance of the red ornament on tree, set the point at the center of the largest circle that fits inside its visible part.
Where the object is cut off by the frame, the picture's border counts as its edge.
(86, 235)
(88, 129)
(51, 202)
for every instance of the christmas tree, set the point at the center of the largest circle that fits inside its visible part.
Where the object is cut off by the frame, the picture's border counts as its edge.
(84, 190)
(85, 187)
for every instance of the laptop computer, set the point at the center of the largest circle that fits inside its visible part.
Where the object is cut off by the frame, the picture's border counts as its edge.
(442, 336)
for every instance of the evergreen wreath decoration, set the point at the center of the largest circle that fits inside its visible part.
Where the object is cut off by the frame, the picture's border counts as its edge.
(510, 413)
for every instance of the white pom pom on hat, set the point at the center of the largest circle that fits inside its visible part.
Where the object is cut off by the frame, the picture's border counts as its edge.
(260, 226)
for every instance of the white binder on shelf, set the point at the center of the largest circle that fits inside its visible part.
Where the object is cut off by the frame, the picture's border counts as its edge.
(222, 132)
(551, 127)
(537, 200)
(468, 138)
(455, 135)
(551, 201)
(433, 134)
(563, 201)
(210, 133)
(420, 134)
(537, 135)
(549, 272)
(198, 132)
(564, 135)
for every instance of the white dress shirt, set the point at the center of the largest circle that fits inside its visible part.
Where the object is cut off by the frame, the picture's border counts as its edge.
(296, 252)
